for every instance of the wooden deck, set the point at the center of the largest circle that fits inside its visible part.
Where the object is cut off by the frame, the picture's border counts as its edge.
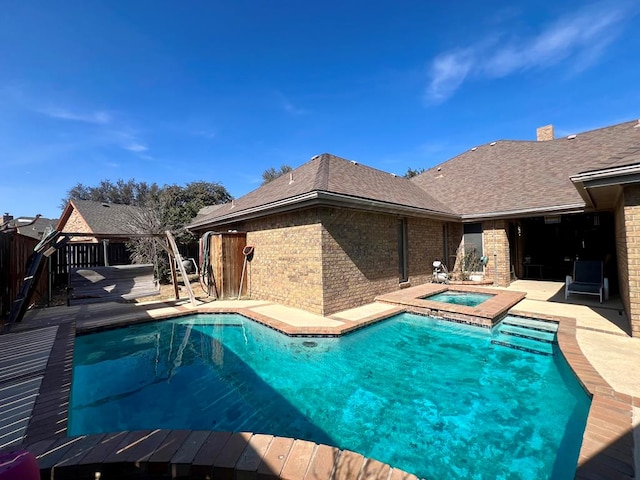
(35, 380)
(22, 368)
(108, 284)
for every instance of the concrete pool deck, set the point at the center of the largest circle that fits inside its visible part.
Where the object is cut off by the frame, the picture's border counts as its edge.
(593, 338)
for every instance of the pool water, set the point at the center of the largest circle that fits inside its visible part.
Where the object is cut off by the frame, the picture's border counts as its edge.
(469, 299)
(431, 397)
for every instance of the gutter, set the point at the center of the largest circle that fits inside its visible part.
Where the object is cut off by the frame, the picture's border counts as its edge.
(608, 177)
(321, 198)
(526, 212)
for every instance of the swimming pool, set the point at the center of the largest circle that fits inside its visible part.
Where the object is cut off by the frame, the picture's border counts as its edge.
(430, 397)
(469, 299)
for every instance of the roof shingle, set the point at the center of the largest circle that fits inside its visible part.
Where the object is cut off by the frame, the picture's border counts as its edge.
(107, 218)
(511, 176)
(334, 175)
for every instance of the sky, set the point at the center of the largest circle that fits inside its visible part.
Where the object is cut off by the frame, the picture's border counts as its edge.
(173, 92)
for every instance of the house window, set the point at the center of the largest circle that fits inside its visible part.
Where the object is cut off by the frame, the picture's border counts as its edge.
(473, 251)
(402, 250)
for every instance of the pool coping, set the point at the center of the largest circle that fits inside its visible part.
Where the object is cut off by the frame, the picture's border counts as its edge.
(486, 315)
(607, 446)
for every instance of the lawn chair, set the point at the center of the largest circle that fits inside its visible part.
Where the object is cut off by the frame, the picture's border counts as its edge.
(588, 279)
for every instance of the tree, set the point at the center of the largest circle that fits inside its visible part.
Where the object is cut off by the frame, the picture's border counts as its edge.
(127, 193)
(170, 207)
(413, 173)
(178, 205)
(271, 173)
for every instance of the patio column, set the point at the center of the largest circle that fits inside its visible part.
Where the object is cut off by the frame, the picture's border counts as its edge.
(627, 225)
(495, 241)
(105, 246)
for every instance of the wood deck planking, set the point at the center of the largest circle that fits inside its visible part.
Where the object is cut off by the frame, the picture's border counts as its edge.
(49, 417)
(24, 359)
(105, 284)
(25, 353)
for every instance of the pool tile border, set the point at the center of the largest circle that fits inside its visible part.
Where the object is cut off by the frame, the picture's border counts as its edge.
(203, 454)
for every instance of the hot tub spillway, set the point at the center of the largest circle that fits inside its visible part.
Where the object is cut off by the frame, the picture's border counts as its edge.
(528, 334)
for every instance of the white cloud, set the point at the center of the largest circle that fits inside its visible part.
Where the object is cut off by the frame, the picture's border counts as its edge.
(98, 118)
(449, 70)
(136, 147)
(205, 134)
(291, 109)
(288, 106)
(577, 40)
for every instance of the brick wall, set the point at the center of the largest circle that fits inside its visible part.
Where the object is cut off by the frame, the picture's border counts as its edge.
(627, 229)
(426, 244)
(287, 262)
(360, 257)
(496, 248)
(76, 224)
(325, 260)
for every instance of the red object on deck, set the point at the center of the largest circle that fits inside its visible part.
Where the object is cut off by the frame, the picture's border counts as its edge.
(19, 465)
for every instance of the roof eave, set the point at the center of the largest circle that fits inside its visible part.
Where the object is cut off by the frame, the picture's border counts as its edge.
(608, 176)
(321, 198)
(525, 212)
(601, 188)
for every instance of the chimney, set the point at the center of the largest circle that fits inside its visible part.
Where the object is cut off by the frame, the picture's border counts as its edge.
(6, 218)
(544, 133)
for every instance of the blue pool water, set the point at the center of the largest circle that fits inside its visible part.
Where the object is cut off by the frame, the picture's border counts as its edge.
(470, 299)
(430, 397)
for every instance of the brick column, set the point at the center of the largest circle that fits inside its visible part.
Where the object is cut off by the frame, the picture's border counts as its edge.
(496, 247)
(627, 218)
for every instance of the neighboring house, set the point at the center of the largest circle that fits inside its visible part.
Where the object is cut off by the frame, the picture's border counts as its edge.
(107, 228)
(333, 234)
(33, 227)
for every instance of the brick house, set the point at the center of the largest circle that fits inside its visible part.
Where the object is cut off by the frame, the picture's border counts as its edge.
(108, 227)
(333, 234)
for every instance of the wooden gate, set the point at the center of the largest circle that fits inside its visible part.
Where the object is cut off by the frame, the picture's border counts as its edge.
(226, 260)
(15, 252)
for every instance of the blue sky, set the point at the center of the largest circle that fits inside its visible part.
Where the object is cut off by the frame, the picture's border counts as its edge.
(175, 92)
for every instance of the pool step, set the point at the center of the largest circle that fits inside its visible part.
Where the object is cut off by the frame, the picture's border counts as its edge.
(527, 334)
(524, 344)
(531, 323)
(531, 334)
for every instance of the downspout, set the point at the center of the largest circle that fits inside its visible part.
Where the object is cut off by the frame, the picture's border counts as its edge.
(495, 257)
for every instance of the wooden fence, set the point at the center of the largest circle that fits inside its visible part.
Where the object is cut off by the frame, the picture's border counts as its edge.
(85, 255)
(15, 252)
(16, 249)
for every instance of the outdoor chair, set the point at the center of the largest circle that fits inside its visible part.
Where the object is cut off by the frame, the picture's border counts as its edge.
(588, 279)
(440, 272)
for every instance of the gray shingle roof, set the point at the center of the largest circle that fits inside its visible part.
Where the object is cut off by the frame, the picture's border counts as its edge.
(32, 227)
(107, 218)
(511, 176)
(497, 179)
(343, 180)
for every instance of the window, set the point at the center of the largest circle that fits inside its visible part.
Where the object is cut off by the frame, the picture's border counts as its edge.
(472, 240)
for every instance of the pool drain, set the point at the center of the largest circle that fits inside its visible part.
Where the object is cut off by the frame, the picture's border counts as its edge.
(310, 344)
